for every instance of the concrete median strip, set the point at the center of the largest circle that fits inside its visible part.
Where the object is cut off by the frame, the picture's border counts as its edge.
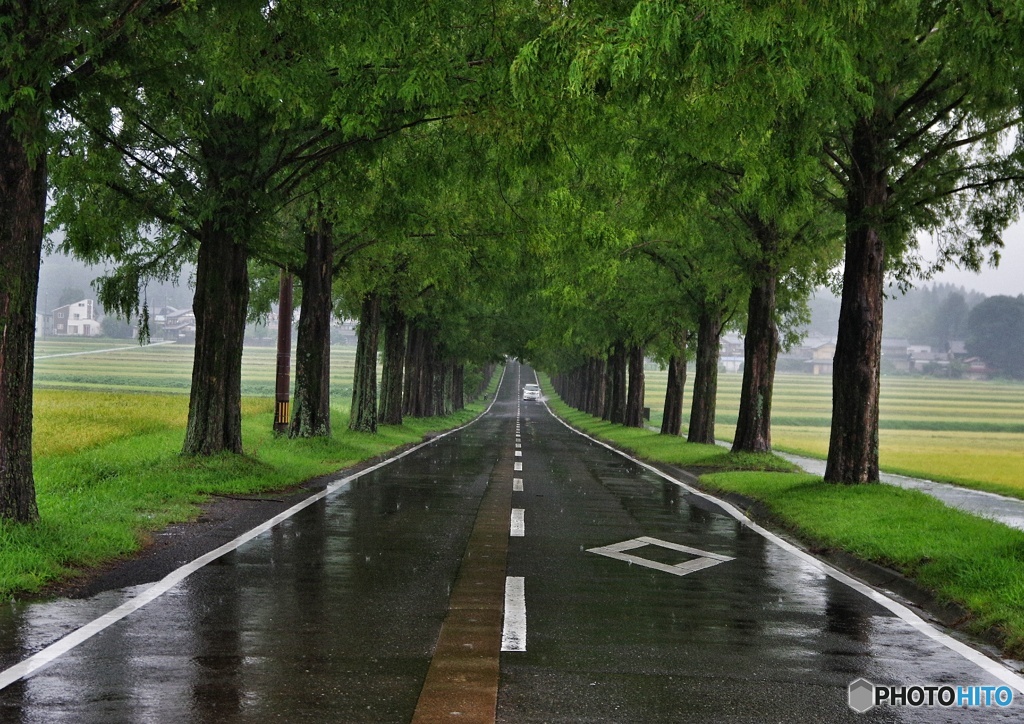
(462, 680)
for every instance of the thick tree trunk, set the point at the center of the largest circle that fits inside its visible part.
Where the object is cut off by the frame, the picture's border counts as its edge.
(459, 388)
(597, 394)
(282, 382)
(22, 208)
(853, 446)
(421, 374)
(705, 379)
(617, 384)
(311, 416)
(364, 379)
(447, 405)
(220, 302)
(635, 395)
(609, 385)
(413, 372)
(428, 376)
(760, 352)
(672, 419)
(394, 364)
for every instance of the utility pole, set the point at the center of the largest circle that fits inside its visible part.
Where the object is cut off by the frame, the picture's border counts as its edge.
(282, 395)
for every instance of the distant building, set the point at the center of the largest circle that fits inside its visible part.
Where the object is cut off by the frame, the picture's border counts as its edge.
(976, 369)
(179, 325)
(77, 320)
(957, 349)
(821, 358)
(896, 354)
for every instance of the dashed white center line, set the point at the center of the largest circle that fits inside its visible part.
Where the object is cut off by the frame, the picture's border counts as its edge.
(519, 453)
(518, 523)
(517, 485)
(517, 467)
(513, 633)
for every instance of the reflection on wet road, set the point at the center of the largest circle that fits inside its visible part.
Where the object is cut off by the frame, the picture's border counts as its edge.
(752, 634)
(640, 602)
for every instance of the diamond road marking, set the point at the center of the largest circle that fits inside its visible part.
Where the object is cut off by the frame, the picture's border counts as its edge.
(704, 560)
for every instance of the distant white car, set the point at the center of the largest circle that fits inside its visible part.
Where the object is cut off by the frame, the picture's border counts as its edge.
(531, 392)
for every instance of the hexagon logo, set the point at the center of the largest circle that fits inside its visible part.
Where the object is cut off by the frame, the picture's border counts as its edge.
(861, 695)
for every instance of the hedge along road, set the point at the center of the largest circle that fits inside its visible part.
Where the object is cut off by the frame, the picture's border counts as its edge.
(513, 570)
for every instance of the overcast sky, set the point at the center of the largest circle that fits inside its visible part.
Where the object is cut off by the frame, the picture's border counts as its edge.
(1007, 279)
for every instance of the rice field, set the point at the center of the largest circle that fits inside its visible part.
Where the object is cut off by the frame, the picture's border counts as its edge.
(124, 366)
(962, 431)
(966, 432)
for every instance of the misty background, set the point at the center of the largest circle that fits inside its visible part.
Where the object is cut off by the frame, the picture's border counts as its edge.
(933, 312)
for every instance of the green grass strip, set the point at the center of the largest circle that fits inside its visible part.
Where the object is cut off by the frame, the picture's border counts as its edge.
(975, 563)
(103, 502)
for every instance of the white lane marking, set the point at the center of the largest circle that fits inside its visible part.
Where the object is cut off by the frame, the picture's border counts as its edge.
(37, 661)
(518, 444)
(517, 485)
(517, 523)
(990, 666)
(102, 351)
(517, 467)
(513, 630)
(519, 453)
(704, 559)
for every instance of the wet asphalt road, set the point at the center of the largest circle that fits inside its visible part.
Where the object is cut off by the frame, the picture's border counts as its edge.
(334, 615)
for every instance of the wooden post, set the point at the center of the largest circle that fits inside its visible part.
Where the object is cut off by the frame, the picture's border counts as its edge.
(284, 354)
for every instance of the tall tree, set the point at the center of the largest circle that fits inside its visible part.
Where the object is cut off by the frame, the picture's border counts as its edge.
(49, 49)
(311, 411)
(364, 380)
(920, 142)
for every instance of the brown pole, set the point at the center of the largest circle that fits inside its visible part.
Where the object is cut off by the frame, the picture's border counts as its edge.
(284, 354)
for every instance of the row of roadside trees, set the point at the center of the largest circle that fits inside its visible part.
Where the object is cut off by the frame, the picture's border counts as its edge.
(773, 139)
(578, 184)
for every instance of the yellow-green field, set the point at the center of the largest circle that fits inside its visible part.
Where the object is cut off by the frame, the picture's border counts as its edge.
(166, 368)
(961, 431)
(966, 432)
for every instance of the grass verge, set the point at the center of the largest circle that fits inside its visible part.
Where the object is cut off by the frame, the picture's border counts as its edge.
(963, 559)
(102, 500)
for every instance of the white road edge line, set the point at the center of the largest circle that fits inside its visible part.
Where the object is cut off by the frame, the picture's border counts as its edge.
(991, 666)
(513, 630)
(37, 661)
(517, 523)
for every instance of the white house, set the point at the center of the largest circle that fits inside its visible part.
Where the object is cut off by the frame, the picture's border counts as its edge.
(77, 320)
